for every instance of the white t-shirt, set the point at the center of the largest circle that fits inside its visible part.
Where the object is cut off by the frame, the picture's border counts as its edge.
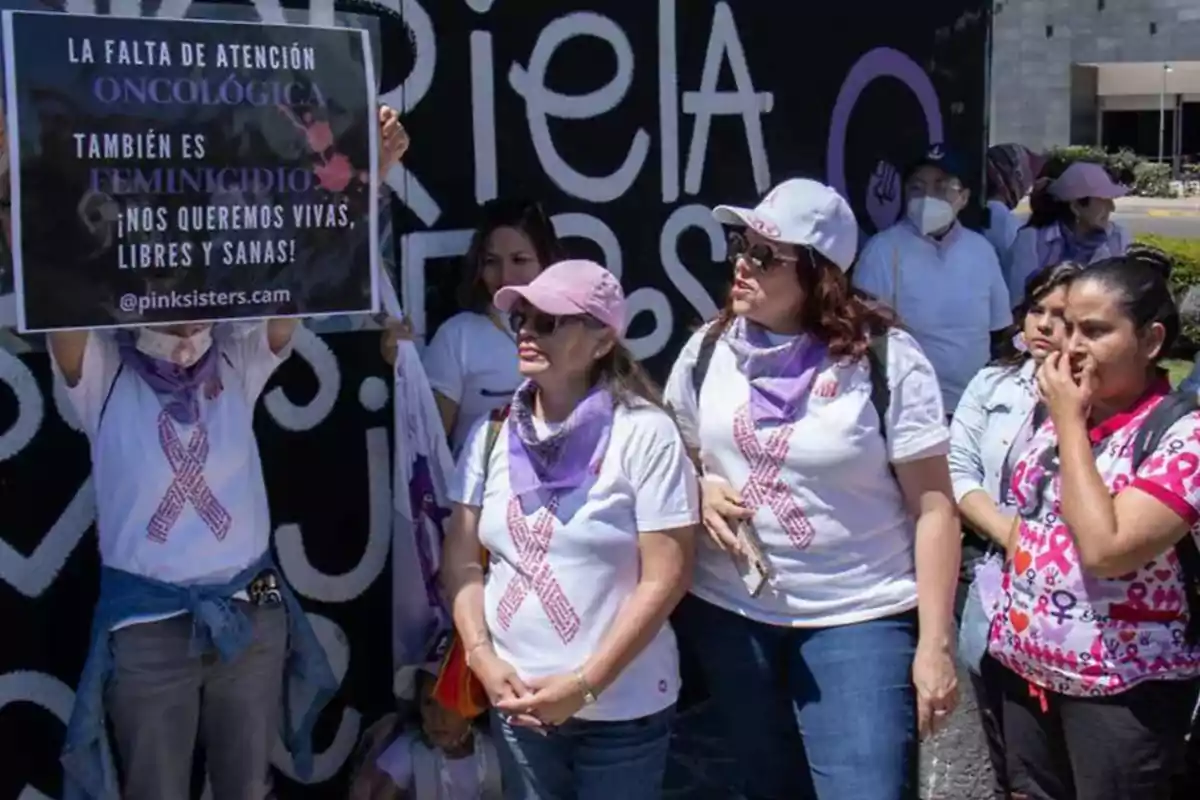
(473, 363)
(834, 485)
(221, 524)
(1003, 225)
(592, 565)
(951, 295)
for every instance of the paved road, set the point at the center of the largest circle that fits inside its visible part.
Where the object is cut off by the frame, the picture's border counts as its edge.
(1177, 218)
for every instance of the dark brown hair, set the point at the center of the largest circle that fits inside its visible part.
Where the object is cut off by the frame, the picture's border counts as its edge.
(1037, 287)
(526, 216)
(841, 317)
(624, 378)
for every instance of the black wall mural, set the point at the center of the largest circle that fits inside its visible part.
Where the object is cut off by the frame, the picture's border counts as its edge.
(627, 120)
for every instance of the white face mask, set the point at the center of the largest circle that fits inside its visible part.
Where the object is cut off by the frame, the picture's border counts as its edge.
(182, 350)
(930, 214)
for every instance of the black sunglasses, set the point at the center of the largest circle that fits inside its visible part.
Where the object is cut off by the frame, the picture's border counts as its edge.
(540, 324)
(761, 256)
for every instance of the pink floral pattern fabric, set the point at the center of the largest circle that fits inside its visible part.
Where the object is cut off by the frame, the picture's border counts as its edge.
(1070, 632)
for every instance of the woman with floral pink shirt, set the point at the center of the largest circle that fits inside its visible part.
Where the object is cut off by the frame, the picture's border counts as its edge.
(1092, 620)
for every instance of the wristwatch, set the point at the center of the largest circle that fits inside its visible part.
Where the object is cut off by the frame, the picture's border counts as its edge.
(589, 694)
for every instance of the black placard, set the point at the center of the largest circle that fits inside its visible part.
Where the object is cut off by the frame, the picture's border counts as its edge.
(184, 170)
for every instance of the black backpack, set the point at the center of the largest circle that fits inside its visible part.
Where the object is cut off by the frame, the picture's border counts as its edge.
(1170, 410)
(877, 359)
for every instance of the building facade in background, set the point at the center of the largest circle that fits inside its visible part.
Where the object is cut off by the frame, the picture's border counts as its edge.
(1116, 73)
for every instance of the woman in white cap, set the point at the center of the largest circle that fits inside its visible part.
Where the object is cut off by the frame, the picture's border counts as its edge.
(586, 502)
(821, 608)
(1070, 220)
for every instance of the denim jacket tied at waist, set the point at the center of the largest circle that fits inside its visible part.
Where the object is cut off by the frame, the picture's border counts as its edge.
(89, 771)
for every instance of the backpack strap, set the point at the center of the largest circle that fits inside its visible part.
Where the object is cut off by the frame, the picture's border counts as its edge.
(704, 357)
(108, 396)
(1170, 410)
(881, 393)
(495, 423)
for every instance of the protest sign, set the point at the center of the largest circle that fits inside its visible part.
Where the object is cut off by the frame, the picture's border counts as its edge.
(187, 170)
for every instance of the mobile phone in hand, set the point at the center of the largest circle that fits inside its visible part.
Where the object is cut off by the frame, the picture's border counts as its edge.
(751, 564)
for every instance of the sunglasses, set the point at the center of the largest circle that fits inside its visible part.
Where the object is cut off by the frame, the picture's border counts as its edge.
(761, 256)
(542, 325)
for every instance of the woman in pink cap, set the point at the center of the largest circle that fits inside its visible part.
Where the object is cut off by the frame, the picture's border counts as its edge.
(586, 502)
(1071, 220)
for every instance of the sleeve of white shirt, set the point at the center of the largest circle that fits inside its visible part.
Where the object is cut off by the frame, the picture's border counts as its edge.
(101, 361)
(443, 365)
(466, 485)
(999, 300)
(680, 395)
(396, 760)
(249, 351)
(916, 419)
(966, 431)
(655, 460)
(872, 273)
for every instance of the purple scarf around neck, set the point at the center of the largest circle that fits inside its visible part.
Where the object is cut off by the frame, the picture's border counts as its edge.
(564, 459)
(175, 386)
(1081, 249)
(780, 376)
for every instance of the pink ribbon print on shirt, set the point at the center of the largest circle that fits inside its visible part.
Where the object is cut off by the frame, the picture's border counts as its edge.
(765, 486)
(534, 573)
(1071, 632)
(187, 485)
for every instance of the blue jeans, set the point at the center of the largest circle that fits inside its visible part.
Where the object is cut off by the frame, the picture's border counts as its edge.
(811, 713)
(585, 760)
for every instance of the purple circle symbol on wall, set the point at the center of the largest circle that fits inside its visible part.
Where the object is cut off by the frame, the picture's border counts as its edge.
(883, 196)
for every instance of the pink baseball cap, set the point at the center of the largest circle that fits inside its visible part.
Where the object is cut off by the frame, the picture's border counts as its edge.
(571, 287)
(1085, 179)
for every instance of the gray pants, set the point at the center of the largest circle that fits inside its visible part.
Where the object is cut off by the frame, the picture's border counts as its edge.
(160, 698)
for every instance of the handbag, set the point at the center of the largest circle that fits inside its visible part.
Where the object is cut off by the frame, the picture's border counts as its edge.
(457, 689)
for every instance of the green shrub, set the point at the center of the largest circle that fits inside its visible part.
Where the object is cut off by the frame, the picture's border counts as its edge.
(1185, 273)
(1145, 178)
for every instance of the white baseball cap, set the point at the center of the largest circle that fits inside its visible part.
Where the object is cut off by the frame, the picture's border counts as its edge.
(805, 213)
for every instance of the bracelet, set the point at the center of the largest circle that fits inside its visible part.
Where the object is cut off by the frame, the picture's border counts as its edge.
(483, 642)
(589, 694)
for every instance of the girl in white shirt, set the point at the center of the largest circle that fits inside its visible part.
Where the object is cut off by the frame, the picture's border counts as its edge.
(471, 361)
(993, 423)
(586, 503)
(813, 669)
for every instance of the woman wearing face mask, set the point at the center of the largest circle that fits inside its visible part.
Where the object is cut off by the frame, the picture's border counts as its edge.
(471, 361)
(1071, 220)
(586, 502)
(1011, 170)
(195, 635)
(821, 434)
(943, 280)
(991, 428)
(1094, 617)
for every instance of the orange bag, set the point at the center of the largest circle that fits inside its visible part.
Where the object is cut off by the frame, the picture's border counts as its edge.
(457, 688)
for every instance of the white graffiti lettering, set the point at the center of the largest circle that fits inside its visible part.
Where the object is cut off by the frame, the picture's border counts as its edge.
(42, 690)
(290, 416)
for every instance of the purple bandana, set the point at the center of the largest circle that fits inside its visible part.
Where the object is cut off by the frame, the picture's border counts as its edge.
(174, 385)
(1081, 249)
(566, 458)
(780, 376)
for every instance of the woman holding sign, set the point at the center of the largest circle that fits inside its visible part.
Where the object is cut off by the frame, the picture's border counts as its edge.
(195, 628)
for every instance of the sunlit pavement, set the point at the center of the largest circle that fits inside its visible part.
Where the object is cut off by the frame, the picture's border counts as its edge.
(954, 763)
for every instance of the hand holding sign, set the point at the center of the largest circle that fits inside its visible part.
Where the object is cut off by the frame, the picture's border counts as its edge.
(186, 170)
